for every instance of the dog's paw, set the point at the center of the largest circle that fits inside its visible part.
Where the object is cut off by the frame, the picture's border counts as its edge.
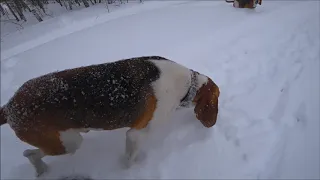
(141, 157)
(124, 162)
(41, 169)
(127, 162)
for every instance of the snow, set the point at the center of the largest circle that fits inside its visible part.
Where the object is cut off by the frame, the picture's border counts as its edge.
(265, 61)
(67, 23)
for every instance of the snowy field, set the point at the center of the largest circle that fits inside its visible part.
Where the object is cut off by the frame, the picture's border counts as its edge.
(265, 61)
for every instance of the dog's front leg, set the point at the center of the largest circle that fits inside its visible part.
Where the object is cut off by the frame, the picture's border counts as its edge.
(134, 140)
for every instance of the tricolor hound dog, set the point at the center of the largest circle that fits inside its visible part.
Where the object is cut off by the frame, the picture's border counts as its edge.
(50, 111)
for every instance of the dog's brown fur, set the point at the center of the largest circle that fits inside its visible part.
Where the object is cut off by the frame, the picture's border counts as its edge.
(206, 102)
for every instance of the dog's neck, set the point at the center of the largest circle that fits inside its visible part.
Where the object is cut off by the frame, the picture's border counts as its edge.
(186, 101)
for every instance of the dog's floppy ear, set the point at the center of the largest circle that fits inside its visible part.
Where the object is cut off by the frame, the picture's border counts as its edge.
(206, 101)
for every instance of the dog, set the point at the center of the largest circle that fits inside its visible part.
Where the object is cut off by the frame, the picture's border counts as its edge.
(250, 4)
(50, 111)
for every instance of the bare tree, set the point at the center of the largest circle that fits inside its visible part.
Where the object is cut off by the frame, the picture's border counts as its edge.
(85, 2)
(20, 13)
(78, 2)
(11, 10)
(39, 7)
(2, 10)
(59, 1)
(40, 4)
(34, 12)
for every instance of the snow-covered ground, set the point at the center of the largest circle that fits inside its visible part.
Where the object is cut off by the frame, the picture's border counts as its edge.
(265, 61)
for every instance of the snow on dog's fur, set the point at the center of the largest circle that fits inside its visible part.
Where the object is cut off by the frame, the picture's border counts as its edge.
(50, 111)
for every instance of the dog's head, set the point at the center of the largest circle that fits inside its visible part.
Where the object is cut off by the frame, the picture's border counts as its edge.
(206, 101)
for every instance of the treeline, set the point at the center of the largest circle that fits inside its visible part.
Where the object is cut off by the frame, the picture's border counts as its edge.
(37, 7)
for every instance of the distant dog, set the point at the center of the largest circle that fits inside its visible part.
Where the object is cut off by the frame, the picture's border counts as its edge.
(50, 111)
(251, 4)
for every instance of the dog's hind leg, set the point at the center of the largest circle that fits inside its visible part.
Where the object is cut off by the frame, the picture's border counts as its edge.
(50, 143)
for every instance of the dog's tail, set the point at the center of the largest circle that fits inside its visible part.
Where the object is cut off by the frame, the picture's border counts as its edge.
(3, 119)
